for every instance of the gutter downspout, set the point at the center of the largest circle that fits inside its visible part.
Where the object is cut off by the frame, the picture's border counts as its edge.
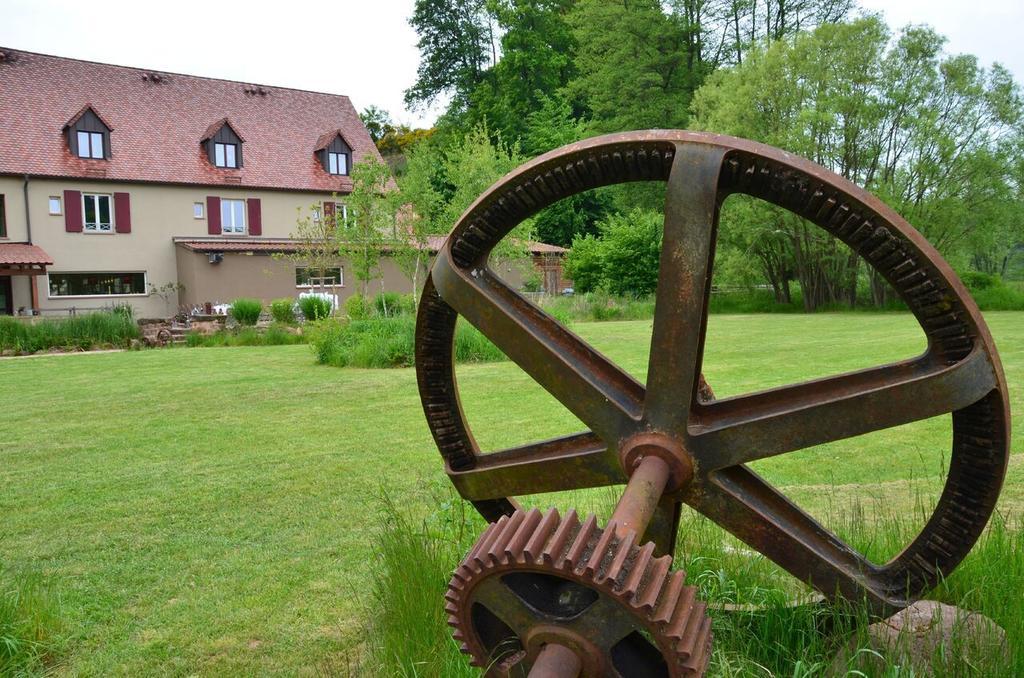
(28, 232)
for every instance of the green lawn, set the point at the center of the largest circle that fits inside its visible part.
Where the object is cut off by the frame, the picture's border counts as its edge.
(212, 511)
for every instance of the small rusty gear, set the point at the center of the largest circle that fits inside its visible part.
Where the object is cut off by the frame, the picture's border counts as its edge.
(535, 578)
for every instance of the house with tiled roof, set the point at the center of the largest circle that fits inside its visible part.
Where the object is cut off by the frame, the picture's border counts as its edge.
(117, 181)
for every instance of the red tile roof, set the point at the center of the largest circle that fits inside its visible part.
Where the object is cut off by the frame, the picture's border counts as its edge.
(434, 243)
(158, 124)
(23, 254)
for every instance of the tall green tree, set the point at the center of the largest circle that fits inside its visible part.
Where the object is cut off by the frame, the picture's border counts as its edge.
(631, 62)
(377, 122)
(457, 44)
(362, 231)
(933, 135)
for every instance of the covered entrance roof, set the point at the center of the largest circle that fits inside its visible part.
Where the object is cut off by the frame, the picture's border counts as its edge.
(18, 258)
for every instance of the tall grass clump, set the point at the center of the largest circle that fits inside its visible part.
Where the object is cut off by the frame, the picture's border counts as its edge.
(283, 311)
(414, 560)
(83, 332)
(376, 342)
(30, 624)
(246, 311)
(315, 308)
(275, 335)
(599, 306)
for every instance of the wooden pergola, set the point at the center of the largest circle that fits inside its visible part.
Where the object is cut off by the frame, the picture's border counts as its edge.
(24, 259)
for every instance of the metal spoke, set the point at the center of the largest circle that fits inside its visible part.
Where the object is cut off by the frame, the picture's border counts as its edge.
(598, 392)
(744, 504)
(747, 428)
(604, 623)
(684, 280)
(572, 462)
(505, 605)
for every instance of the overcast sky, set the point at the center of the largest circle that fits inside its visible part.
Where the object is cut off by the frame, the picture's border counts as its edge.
(363, 49)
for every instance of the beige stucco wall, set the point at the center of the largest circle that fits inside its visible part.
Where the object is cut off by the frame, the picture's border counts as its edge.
(159, 213)
(264, 277)
(12, 189)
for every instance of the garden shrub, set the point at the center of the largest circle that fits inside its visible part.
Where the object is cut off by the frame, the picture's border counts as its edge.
(388, 342)
(246, 311)
(356, 307)
(388, 303)
(976, 281)
(315, 308)
(283, 310)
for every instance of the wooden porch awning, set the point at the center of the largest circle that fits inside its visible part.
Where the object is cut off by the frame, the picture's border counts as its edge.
(23, 259)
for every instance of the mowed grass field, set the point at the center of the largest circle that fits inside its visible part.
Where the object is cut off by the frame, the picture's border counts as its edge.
(213, 511)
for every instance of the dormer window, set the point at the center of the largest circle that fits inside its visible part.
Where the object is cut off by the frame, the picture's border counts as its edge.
(223, 145)
(225, 155)
(90, 145)
(335, 154)
(88, 135)
(337, 163)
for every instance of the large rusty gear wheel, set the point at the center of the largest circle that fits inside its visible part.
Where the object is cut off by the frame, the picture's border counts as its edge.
(959, 373)
(534, 579)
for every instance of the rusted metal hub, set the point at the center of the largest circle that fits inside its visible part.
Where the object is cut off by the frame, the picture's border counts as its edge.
(669, 450)
(702, 455)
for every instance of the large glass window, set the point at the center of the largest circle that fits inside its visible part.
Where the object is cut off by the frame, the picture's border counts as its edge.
(337, 163)
(90, 145)
(314, 277)
(96, 284)
(97, 212)
(225, 155)
(232, 216)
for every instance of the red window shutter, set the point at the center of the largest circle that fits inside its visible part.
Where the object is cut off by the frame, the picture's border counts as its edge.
(122, 213)
(73, 211)
(255, 217)
(213, 215)
(329, 210)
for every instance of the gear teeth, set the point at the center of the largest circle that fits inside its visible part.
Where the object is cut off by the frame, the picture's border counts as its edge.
(476, 555)
(540, 537)
(579, 545)
(670, 596)
(496, 551)
(601, 552)
(631, 586)
(647, 597)
(612, 565)
(554, 549)
(514, 549)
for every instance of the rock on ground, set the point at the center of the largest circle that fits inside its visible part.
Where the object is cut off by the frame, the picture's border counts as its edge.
(925, 635)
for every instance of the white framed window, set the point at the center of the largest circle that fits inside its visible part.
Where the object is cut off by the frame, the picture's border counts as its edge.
(198, 210)
(96, 213)
(55, 205)
(328, 277)
(225, 155)
(337, 163)
(90, 145)
(316, 215)
(97, 284)
(232, 216)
